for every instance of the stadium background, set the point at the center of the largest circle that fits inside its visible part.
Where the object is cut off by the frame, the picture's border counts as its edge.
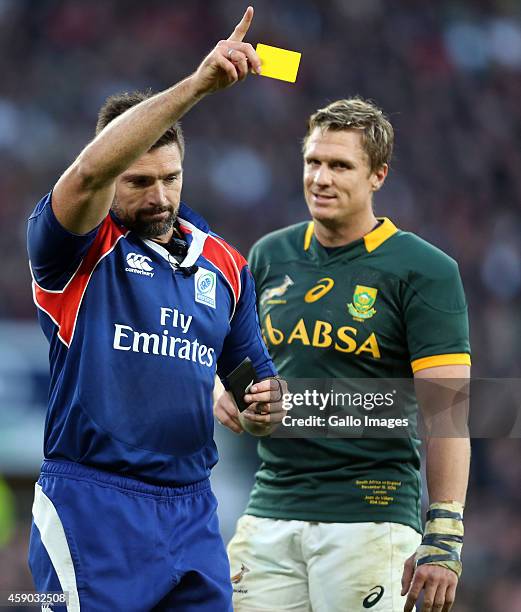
(449, 75)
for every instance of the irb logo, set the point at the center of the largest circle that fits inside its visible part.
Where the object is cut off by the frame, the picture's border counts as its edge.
(204, 290)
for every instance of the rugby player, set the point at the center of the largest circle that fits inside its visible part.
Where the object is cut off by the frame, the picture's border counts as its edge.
(333, 525)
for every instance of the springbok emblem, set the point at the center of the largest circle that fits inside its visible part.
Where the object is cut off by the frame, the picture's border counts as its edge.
(268, 295)
(236, 578)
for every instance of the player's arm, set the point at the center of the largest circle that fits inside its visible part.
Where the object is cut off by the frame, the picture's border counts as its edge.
(448, 458)
(84, 193)
(435, 567)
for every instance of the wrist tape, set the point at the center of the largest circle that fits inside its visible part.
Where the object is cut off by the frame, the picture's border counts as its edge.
(443, 537)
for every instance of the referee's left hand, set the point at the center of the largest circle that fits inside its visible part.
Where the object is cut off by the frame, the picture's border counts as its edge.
(438, 583)
(265, 401)
(264, 411)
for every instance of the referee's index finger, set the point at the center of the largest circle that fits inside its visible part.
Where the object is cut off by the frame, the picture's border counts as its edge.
(243, 26)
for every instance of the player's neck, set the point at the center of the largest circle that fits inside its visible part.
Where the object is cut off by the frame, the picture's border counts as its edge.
(340, 234)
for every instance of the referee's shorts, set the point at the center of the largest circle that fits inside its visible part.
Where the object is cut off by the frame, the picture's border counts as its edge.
(117, 544)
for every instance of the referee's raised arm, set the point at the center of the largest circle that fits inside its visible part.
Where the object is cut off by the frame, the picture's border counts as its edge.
(84, 193)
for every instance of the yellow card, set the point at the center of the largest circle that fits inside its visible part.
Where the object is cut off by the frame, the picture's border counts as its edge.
(278, 63)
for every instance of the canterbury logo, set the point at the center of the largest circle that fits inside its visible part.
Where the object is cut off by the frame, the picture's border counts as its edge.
(139, 264)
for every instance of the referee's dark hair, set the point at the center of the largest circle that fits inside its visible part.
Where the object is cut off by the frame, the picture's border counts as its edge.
(119, 103)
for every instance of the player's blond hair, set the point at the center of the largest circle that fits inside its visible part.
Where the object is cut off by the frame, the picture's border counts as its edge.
(360, 114)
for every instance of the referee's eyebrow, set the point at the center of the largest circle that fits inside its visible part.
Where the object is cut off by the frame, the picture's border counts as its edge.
(140, 176)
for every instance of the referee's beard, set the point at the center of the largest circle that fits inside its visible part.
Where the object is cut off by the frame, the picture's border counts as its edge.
(140, 221)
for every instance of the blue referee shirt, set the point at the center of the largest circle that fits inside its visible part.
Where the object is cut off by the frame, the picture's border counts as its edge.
(135, 343)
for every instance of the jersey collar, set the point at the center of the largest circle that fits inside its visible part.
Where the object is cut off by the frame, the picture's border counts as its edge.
(371, 241)
(187, 214)
(196, 230)
(379, 235)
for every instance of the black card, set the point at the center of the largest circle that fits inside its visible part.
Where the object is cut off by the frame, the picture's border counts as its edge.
(240, 380)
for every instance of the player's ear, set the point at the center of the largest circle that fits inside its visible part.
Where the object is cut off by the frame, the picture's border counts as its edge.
(378, 177)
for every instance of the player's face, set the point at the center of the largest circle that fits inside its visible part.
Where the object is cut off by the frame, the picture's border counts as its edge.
(338, 182)
(149, 191)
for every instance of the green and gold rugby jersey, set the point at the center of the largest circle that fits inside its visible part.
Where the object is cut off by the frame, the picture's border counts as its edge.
(384, 306)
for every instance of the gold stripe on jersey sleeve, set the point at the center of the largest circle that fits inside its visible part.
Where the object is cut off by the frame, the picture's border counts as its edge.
(440, 360)
(308, 235)
(379, 235)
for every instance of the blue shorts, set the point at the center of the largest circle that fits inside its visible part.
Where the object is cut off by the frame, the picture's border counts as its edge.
(115, 543)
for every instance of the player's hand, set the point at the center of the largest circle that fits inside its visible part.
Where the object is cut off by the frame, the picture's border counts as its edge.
(438, 583)
(226, 412)
(230, 61)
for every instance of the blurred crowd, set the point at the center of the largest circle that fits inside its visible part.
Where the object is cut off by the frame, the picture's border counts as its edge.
(447, 73)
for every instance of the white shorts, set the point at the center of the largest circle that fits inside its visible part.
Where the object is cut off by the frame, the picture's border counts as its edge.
(280, 565)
